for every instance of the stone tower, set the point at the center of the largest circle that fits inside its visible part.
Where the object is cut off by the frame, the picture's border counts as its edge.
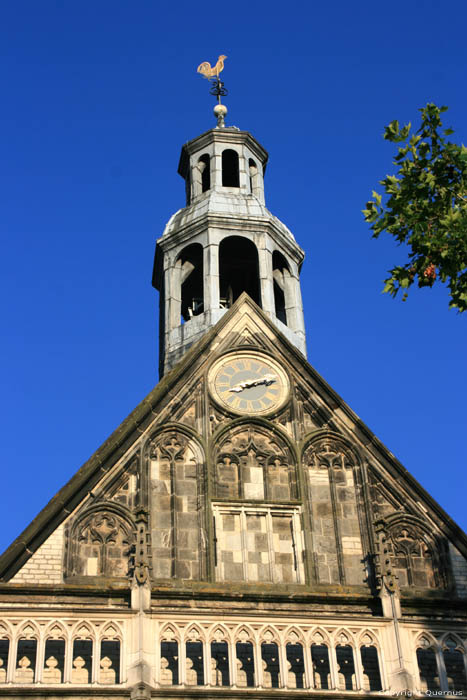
(224, 242)
(242, 533)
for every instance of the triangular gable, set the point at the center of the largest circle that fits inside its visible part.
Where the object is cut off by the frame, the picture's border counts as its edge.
(173, 400)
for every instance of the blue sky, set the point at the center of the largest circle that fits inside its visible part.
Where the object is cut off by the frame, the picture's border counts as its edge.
(97, 100)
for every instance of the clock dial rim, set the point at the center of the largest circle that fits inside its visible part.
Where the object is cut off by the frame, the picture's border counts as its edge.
(235, 406)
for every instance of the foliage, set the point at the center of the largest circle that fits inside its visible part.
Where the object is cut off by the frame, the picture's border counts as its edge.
(425, 206)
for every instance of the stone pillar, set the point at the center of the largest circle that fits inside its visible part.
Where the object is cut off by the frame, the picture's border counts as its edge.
(358, 668)
(211, 277)
(308, 667)
(283, 665)
(258, 661)
(182, 661)
(266, 280)
(140, 646)
(173, 295)
(232, 663)
(216, 168)
(333, 672)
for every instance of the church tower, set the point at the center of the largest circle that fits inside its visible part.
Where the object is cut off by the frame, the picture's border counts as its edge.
(224, 242)
(242, 534)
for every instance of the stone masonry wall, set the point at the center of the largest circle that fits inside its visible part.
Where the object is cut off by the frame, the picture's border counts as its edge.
(45, 565)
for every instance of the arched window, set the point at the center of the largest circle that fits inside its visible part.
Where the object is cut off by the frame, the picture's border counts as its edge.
(82, 661)
(169, 662)
(54, 661)
(370, 667)
(427, 666)
(194, 662)
(204, 168)
(281, 276)
(109, 672)
(454, 663)
(220, 663)
(321, 667)
(230, 168)
(192, 295)
(4, 652)
(238, 270)
(345, 667)
(270, 659)
(295, 665)
(26, 661)
(245, 665)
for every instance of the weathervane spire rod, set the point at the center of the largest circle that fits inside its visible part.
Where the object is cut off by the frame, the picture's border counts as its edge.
(217, 90)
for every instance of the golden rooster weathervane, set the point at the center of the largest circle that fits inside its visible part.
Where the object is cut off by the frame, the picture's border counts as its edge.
(208, 72)
(218, 89)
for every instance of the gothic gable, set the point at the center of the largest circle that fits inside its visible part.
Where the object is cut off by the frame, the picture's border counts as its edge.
(189, 488)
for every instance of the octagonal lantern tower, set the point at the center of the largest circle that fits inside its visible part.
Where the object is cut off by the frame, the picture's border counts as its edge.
(224, 242)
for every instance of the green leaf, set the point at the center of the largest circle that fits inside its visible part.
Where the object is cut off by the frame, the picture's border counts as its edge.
(425, 207)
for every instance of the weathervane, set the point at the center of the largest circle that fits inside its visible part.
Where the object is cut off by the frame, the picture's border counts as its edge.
(217, 89)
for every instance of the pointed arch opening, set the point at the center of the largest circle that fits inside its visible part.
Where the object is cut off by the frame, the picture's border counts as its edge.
(238, 270)
(230, 168)
(320, 665)
(26, 655)
(454, 663)
(4, 655)
(190, 262)
(345, 667)
(370, 667)
(295, 665)
(427, 666)
(245, 665)
(54, 661)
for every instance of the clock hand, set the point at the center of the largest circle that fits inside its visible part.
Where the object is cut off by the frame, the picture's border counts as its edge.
(248, 383)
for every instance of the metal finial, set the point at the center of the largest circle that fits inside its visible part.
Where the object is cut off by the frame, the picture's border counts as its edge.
(217, 90)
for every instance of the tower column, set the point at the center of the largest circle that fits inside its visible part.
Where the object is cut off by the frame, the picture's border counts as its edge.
(265, 279)
(173, 299)
(293, 302)
(211, 277)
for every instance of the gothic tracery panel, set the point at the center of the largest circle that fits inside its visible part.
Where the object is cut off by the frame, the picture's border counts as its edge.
(416, 556)
(337, 543)
(252, 463)
(100, 544)
(175, 474)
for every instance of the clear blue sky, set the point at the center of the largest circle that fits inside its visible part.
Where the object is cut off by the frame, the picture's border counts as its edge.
(97, 99)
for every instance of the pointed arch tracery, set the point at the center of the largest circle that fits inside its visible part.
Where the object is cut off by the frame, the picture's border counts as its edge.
(418, 556)
(56, 630)
(175, 463)
(252, 462)
(333, 470)
(99, 541)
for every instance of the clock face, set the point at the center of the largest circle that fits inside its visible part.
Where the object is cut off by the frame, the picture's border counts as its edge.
(248, 382)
